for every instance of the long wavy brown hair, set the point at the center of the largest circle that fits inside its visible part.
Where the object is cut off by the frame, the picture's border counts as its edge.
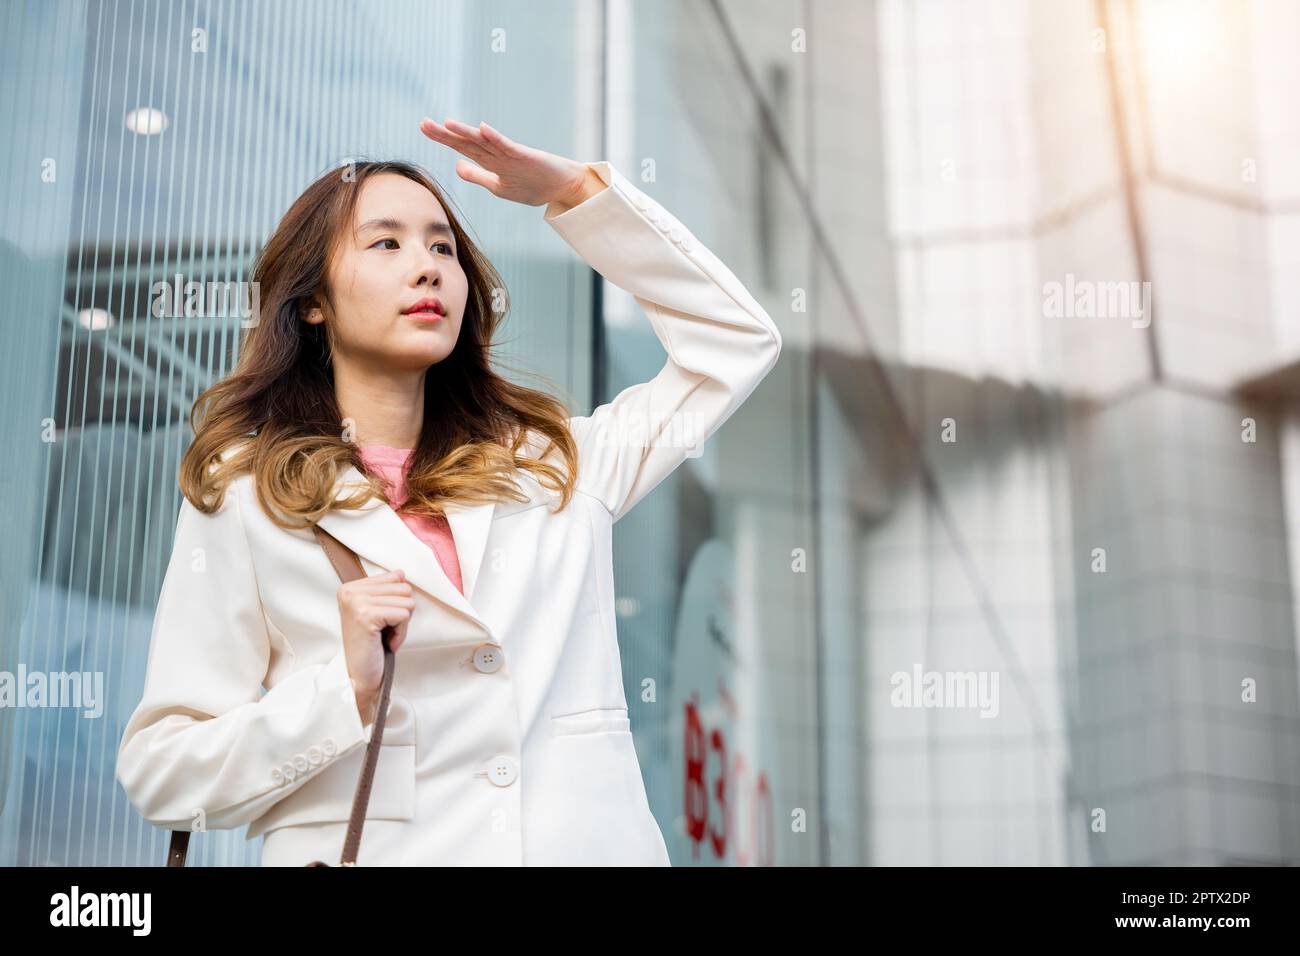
(276, 415)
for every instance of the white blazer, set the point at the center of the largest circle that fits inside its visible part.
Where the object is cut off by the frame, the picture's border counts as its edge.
(508, 741)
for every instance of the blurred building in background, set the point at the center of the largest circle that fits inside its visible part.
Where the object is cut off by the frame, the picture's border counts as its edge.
(996, 567)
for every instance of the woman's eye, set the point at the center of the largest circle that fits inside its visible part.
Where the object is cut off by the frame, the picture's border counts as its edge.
(447, 244)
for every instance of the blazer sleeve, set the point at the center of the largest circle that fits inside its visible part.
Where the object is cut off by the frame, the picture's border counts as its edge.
(203, 738)
(720, 342)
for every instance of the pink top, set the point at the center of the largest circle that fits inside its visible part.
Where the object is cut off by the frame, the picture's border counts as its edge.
(390, 464)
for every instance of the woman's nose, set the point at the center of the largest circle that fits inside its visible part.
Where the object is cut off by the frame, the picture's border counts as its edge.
(429, 268)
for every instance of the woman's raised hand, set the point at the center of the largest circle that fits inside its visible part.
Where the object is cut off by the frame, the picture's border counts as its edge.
(512, 170)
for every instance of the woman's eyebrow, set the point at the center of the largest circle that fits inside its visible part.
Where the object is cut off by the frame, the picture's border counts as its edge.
(440, 228)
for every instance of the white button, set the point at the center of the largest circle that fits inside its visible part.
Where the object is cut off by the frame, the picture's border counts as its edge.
(277, 775)
(640, 201)
(687, 245)
(503, 770)
(488, 658)
(675, 234)
(300, 763)
(314, 755)
(289, 772)
(328, 746)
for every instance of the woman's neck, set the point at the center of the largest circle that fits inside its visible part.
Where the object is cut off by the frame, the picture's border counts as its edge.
(384, 410)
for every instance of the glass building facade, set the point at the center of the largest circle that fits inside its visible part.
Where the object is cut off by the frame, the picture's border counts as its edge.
(997, 566)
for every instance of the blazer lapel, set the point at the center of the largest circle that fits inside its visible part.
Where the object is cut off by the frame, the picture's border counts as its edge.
(377, 533)
(470, 524)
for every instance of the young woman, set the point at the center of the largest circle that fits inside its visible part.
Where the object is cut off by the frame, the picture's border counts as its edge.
(364, 400)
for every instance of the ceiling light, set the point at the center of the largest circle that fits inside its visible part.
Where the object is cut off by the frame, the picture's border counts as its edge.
(96, 320)
(146, 121)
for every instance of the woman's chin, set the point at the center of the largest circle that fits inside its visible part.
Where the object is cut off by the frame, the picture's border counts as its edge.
(429, 357)
(419, 352)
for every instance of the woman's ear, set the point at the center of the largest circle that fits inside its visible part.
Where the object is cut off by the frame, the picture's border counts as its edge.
(313, 316)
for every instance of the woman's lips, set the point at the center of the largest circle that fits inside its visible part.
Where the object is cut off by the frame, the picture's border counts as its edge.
(429, 316)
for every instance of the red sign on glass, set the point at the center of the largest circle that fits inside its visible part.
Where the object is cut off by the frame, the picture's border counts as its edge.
(720, 801)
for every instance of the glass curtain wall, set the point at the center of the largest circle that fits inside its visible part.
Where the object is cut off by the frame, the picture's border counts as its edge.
(154, 144)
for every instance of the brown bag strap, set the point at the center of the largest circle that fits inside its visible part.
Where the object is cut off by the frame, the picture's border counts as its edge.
(348, 567)
(176, 852)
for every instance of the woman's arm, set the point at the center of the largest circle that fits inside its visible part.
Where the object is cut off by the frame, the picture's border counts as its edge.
(203, 739)
(720, 342)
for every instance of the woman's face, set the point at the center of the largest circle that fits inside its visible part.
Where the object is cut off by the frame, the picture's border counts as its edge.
(399, 252)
